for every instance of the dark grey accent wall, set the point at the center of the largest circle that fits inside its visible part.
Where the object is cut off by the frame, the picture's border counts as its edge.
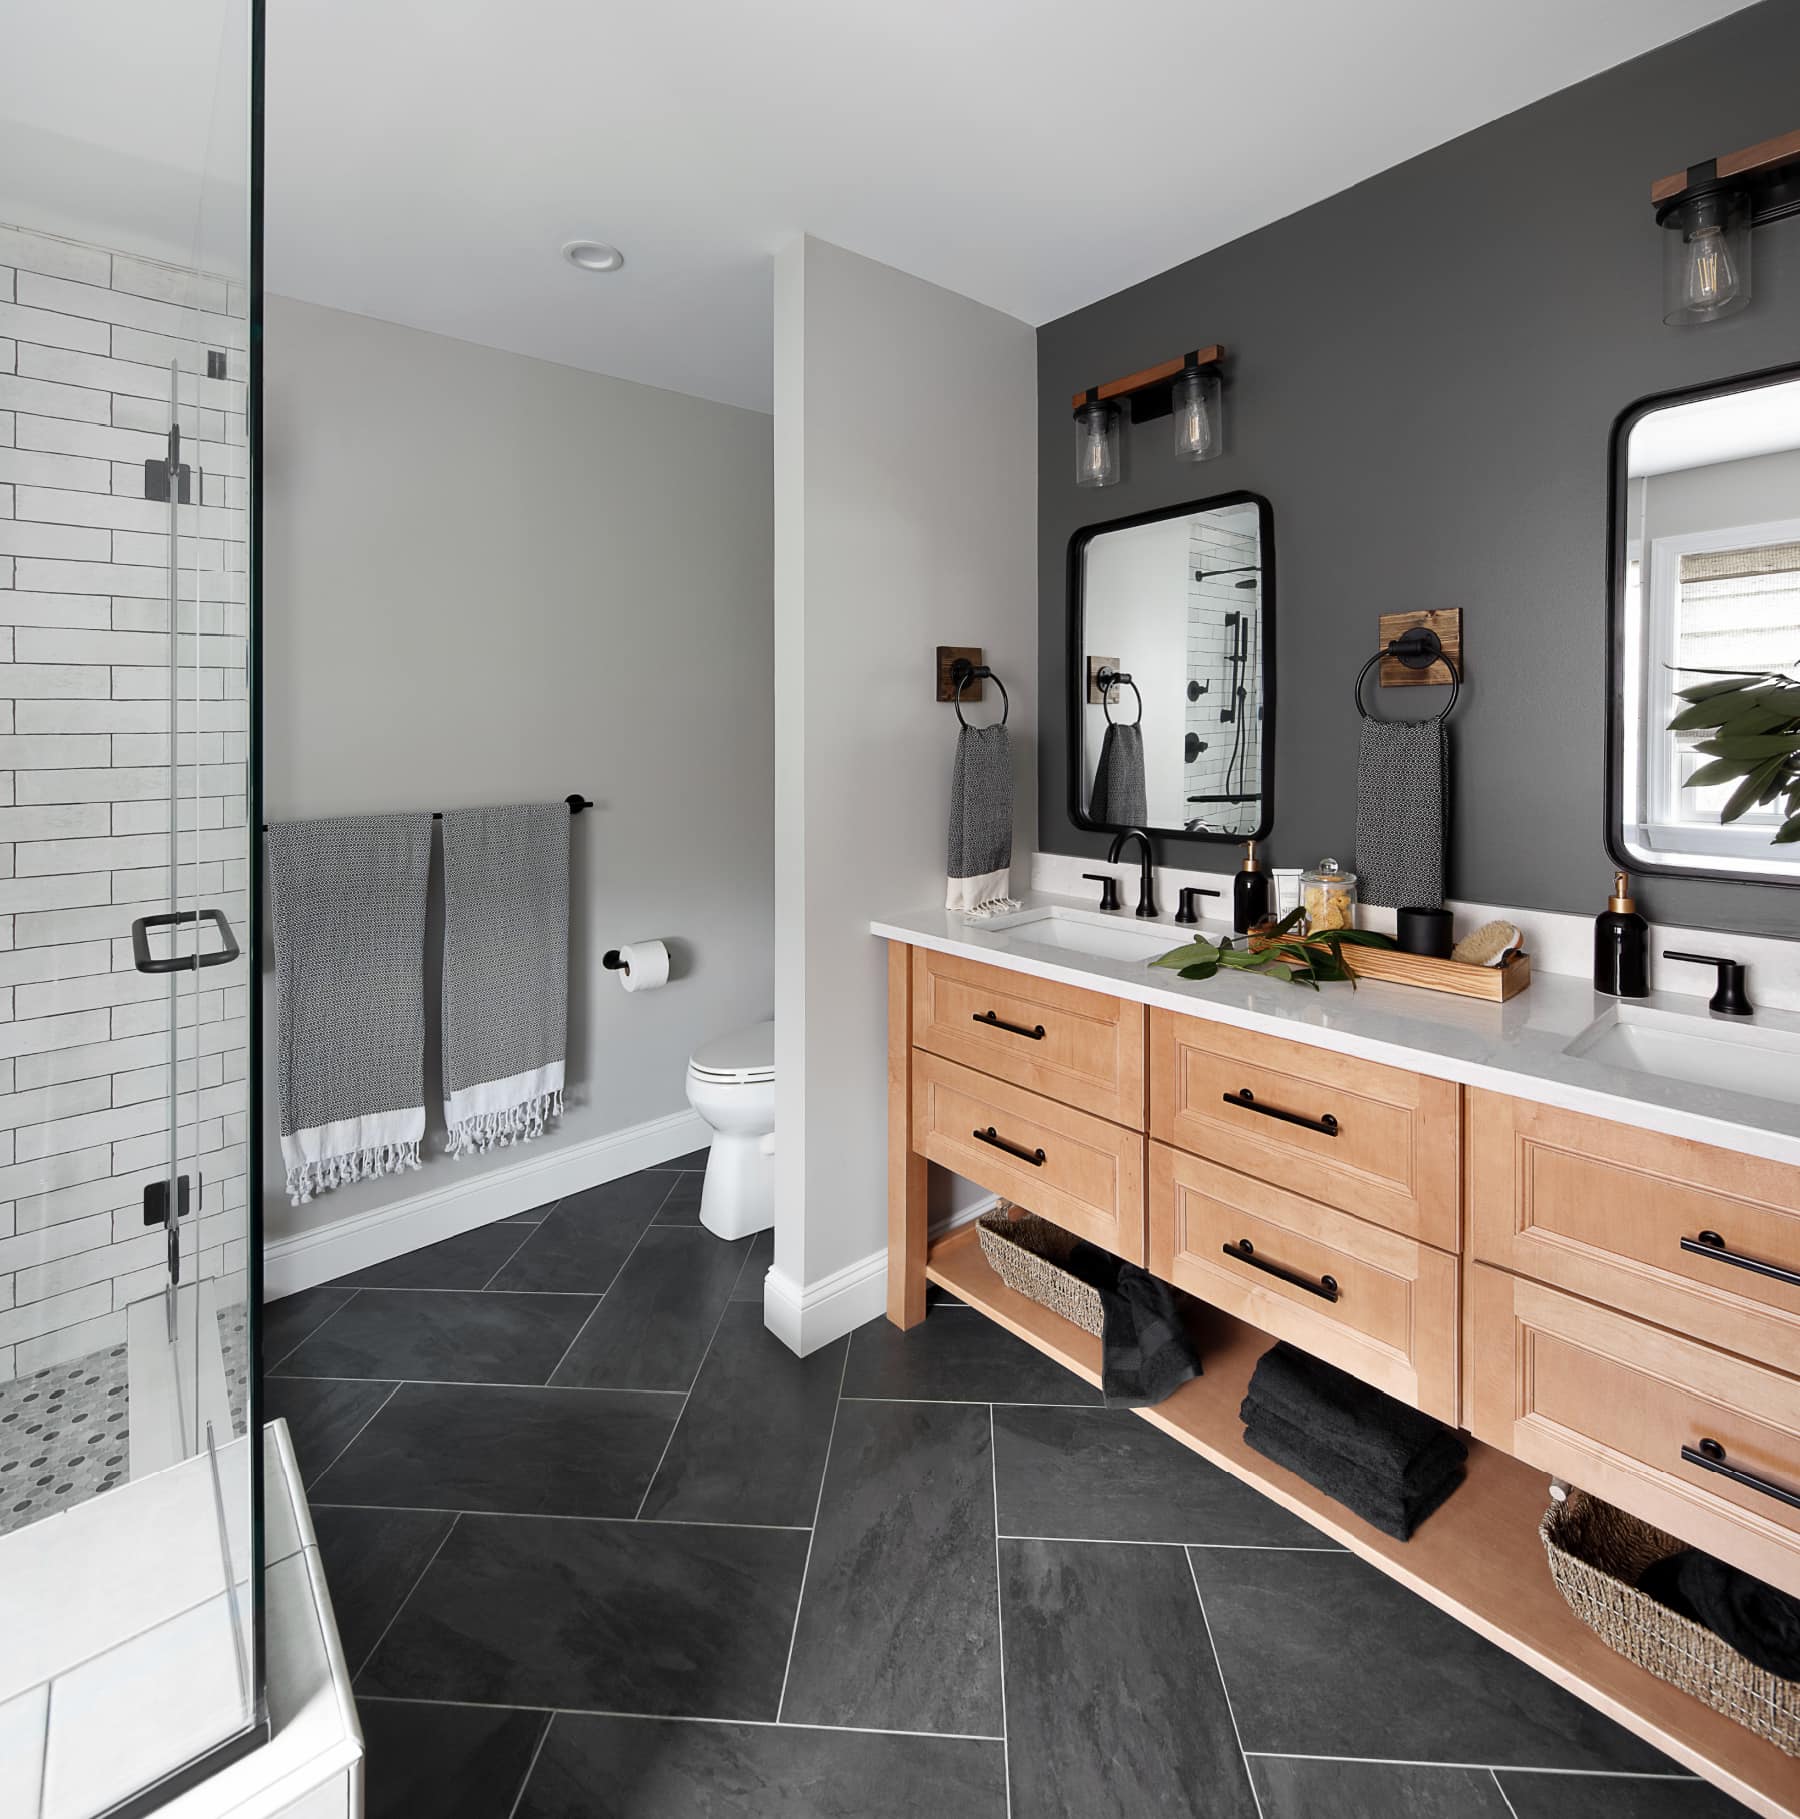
(1423, 375)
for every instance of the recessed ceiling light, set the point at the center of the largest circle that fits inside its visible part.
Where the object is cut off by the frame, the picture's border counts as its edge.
(593, 255)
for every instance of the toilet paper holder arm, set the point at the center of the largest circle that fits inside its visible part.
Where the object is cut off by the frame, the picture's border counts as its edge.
(614, 961)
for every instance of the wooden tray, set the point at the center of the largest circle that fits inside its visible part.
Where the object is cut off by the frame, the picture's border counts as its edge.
(1494, 983)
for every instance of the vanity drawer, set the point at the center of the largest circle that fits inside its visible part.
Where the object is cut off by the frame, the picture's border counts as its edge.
(1610, 1403)
(1377, 1141)
(1393, 1322)
(1081, 1047)
(1604, 1210)
(1080, 1172)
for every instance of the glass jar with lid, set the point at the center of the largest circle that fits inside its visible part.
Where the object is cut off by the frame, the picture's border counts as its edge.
(1328, 895)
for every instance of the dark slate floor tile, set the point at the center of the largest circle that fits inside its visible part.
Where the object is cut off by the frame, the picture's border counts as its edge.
(607, 1616)
(1325, 1656)
(287, 1321)
(448, 1336)
(373, 1558)
(1297, 1788)
(1104, 1475)
(581, 1244)
(752, 1440)
(692, 1160)
(652, 1330)
(1113, 1701)
(757, 1262)
(466, 1261)
(1615, 1797)
(323, 1416)
(957, 1355)
(683, 1204)
(898, 1627)
(642, 1768)
(448, 1761)
(530, 1452)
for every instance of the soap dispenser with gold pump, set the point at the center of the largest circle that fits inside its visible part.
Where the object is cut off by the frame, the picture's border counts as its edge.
(1621, 945)
(1249, 892)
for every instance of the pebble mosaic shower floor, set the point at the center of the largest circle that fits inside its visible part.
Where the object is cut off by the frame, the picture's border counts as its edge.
(64, 1436)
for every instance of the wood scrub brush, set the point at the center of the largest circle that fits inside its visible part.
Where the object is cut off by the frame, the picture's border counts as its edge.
(1493, 944)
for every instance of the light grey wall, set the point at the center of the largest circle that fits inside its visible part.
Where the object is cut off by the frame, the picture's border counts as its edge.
(489, 579)
(1423, 377)
(905, 500)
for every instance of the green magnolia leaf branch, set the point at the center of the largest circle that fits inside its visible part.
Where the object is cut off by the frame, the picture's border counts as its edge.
(1754, 723)
(1300, 959)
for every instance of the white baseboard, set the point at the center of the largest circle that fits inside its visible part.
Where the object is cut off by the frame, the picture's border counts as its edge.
(804, 1319)
(544, 1171)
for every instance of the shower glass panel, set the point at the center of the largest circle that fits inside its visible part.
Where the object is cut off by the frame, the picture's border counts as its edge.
(130, 1460)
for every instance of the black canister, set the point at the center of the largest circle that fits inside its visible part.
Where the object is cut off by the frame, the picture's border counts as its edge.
(1424, 931)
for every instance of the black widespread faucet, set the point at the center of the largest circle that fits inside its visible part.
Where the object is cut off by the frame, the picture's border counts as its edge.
(1146, 876)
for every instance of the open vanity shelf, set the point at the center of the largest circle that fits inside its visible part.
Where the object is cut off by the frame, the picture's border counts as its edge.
(1478, 1557)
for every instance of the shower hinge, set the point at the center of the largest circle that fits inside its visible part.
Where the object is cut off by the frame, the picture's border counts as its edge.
(156, 482)
(156, 1199)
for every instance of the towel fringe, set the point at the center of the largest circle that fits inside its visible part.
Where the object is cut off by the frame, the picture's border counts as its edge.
(311, 1178)
(992, 906)
(517, 1124)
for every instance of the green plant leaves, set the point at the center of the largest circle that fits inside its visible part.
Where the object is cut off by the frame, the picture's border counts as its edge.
(1294, 958)
(1755, 724)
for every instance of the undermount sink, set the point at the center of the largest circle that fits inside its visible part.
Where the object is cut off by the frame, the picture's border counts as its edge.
(1087, 933)
(1750, 1058)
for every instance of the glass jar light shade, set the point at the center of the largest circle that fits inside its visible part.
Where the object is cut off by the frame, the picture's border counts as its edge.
(1196, 402)
(1706, 256)
(1097, 445)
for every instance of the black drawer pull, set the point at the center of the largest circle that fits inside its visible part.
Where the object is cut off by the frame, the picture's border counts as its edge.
(995, 1022)
(181, 963)
(1710, 1244)
(1326, 1126)
(1244, 1251)
(1709, 1455)
(990, 1135)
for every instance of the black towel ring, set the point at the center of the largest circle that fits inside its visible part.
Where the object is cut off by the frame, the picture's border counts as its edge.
(1106, 680)
(1418, 649)
(979, 672)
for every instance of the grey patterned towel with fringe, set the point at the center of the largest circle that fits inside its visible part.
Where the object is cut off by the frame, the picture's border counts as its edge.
(348, 903)
(506, 972)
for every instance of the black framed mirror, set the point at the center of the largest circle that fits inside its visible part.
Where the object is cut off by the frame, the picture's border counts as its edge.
(1172, 670)
(1704, 631)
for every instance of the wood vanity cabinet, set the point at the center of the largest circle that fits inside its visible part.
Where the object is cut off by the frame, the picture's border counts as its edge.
(1605, 1304)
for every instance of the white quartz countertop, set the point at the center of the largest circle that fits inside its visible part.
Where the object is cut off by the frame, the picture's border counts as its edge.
(1520, 1047)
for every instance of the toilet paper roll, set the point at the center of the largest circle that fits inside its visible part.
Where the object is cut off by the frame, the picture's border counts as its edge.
(646, 966)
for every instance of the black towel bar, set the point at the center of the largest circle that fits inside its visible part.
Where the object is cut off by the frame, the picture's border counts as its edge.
(576, 805)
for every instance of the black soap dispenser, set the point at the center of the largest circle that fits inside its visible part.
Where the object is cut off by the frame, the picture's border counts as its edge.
(1249, 892)
(1621, 945)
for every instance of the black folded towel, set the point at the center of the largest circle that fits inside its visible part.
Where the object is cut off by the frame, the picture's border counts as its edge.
(1358, 1423)
(1760, 1622)
(1378, 1500)
(1145, 1352)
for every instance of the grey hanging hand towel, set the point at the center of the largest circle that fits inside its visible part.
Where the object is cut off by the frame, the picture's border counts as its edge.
(1120, 798)
(348, 903)
(506, 971)
(980, 862)
(1402, 812)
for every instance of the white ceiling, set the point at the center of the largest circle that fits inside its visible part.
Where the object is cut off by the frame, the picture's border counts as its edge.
(1702, 432)
(427, 158)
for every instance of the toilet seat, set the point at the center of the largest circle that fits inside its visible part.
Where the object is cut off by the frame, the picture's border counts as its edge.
(745, 1057)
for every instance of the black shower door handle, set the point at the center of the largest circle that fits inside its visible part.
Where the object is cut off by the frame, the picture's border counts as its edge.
(145, 962)
(1709, 1455)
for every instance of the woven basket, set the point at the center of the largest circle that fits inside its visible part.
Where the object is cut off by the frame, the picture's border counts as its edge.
(1597, 1555)
(1028, 1254)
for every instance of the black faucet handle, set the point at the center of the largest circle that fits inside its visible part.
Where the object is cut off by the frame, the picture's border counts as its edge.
(1109, 888)
(1730, 999)
(1190, 909)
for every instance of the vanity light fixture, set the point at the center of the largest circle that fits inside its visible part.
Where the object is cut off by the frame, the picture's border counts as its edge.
(1707, 213)
(1187, 389)
(593, 255)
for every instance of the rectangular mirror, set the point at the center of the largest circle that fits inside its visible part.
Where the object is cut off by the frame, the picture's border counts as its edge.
(1172, 647)
(1705, 632)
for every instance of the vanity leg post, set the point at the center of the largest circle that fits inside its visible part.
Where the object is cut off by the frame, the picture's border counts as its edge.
(907, 1212)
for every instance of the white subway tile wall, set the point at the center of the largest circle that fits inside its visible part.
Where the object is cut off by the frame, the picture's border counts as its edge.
(1219, 611)
(86, 340)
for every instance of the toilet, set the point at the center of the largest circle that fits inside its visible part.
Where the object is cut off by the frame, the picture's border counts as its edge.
(731, 1084)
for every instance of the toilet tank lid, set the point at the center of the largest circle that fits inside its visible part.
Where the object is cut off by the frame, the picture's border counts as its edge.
(745, 1052)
